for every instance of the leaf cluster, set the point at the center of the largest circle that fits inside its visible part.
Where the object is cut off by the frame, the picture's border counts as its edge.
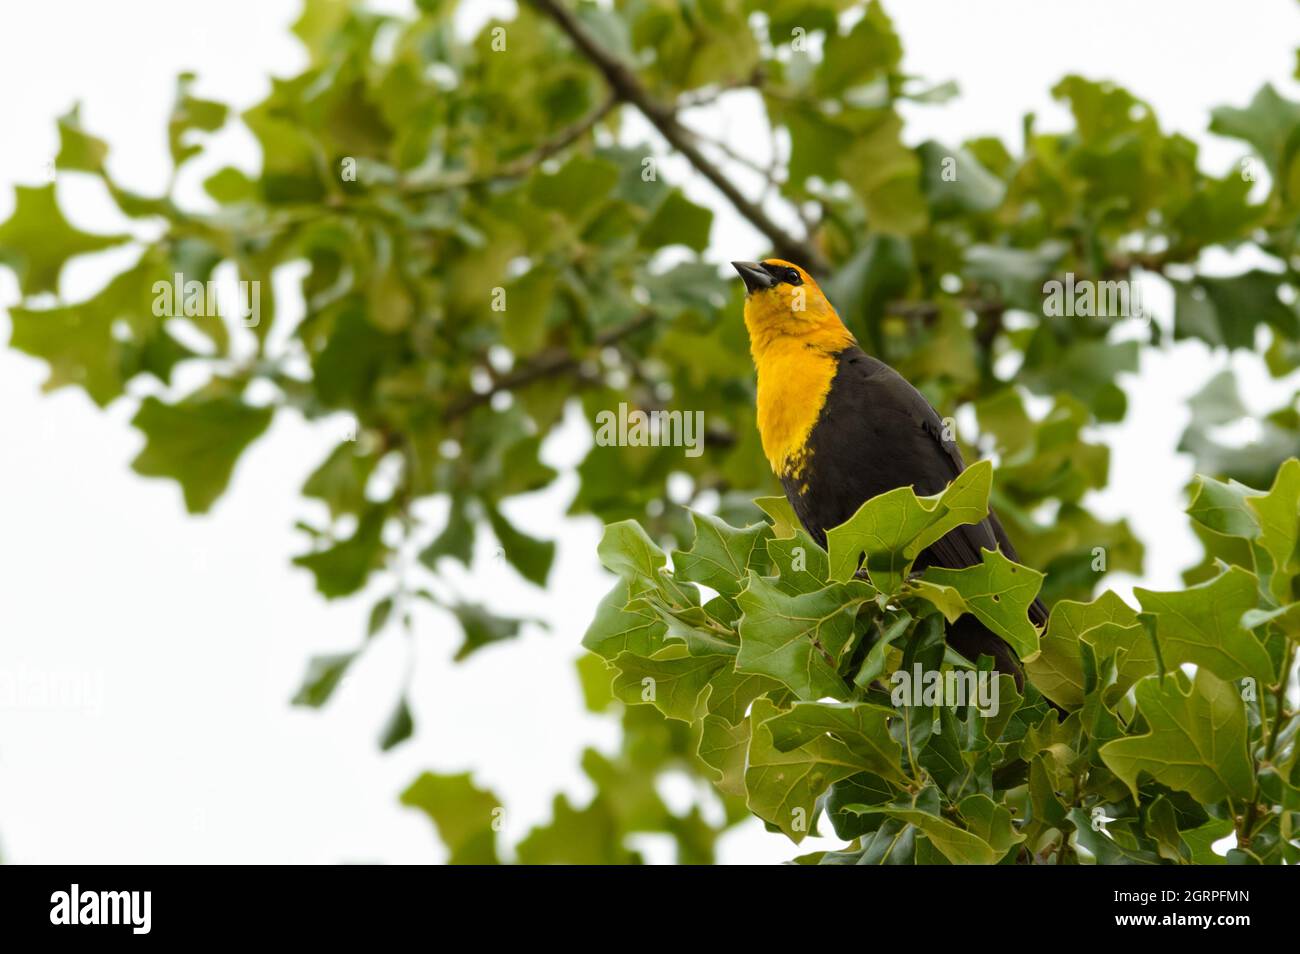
(1140, 735)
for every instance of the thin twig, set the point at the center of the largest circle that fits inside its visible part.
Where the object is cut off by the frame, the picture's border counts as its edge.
(929, 310)
(546, 364)
(712, 94)
(523, 165)
(628, 88)
(1252, 813)
(768, 172)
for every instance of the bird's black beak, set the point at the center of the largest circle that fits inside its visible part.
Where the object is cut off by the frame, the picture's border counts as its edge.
(754, 275)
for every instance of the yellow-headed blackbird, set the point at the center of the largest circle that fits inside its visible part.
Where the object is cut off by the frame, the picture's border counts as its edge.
(840, 427)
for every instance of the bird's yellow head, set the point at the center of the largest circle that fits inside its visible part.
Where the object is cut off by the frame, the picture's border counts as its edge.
(794, 335)
(783, 305)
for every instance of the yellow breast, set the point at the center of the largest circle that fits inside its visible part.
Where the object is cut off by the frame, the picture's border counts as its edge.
(793, 381)
(794, 337)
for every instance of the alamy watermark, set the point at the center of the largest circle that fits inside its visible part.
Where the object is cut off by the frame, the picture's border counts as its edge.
(26, 689)
(130, 908)
(636, 428)
(1086, 298)
(195, 299)
(956, 687)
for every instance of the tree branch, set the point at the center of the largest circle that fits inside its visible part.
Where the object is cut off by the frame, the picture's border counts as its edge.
(524, 164)
(710, 95)
(929, 310)
(546, 364)
(768, 172)
(627, 87)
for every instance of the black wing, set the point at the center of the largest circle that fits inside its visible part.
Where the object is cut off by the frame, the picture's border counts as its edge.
(875, 433)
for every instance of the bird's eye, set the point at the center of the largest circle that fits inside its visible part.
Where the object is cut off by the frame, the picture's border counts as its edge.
(792, 277)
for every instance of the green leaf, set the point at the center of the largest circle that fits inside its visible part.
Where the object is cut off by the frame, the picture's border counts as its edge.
(379, 616)
(324, 673)
(354, 358)
(677, 221)
(1017, 273)
(482, 627)
(798, 640)
(1104, 848)
(945, 599)
(1057, 670)
(622, 625)
(852, 59)
(229, 185)
(861, 728)
(861, 789)
(784, 521)
(626, 550)
(695, 627)
(1202, 625)
(959, 846)
(37, 240)
(884, 173)
(1130, 645)
(862, 288)
(1044, 801)
(101, 343)
(956, 184)
(1278, 516)
(189, 115)
(595, 676)
(1268, 124)
(1222, 507)
(1200, 841)
(895, 842)
(990, 822)
(783, 787)
(723, 748)
(1087, 370)
(998, 592)
(1197, 742)
(528, 300)
(344, 567)
(197, 442)
(1227, 311)
(874, 664)
(456, 539)
(465, 815)
(388, 301)
(672, 680)
(577, 188)
(721, 555)
(399, 727)
(1160, 822)
(530, 556)
(340, 480)
(588, 836)
(79, 151)
(889, 532)
(800, 565)
(731, 692)
(1256, 463)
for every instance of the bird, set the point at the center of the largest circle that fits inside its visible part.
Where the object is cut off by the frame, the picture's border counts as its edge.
(839, 427)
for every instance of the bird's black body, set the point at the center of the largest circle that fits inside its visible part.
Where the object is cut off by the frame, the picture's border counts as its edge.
(872, 433)
(875, 433)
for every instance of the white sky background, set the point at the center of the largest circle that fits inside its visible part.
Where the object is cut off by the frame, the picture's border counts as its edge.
(188, 635)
